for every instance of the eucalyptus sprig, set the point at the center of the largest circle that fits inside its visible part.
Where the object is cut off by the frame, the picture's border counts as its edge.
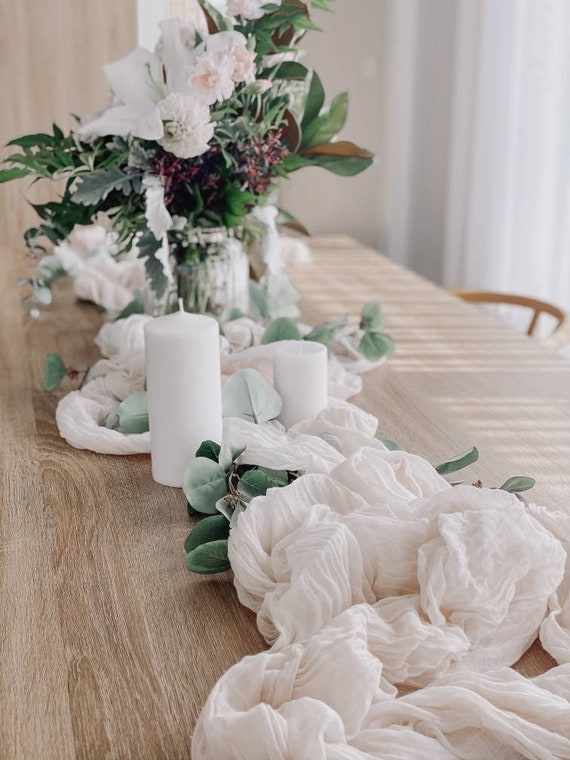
(366, 338)
(217, 486)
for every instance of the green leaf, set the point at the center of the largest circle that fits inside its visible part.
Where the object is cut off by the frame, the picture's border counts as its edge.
(518, 484)
(390, 445)
(204, 484)
(209, 450)
(212, 528)
(95, 187)
(210, 558)
(458, 462)
(329, 124)
(374, 345)
(133, 413)
(233, 447)
(248, 396)
(148, 246)
(258, 302)
(371, 318)
(54, 372)
(314, 101)
(135, 306)
(31, 141)
(7, 175)
(344, 166)
(281, 329)
(257, 482)
(326, 331)
(112, 419)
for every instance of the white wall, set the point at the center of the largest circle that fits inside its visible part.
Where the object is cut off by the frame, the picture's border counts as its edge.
(349, 55)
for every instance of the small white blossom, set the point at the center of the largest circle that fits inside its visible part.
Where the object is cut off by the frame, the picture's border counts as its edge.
(187, 126)
(250, 9)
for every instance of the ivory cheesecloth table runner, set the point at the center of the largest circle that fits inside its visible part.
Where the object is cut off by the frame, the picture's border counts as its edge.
(108, 647)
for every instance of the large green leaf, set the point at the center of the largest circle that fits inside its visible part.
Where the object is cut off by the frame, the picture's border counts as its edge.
(7, 175)
(281, 329)
(214, 528)
(133, 413)
(314, 101)
(204, 484)
(327, 125)
(458, 462)
(54, 371)
(248, 396)
(210, 558)
(95, 187)
(342, 157)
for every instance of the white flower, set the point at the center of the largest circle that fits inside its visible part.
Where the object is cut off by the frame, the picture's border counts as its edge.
(232, 46)
(250, 9)
(141, 80)
(212, 79)
(187, 125)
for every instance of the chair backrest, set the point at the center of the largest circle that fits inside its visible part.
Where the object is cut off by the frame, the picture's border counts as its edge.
(536, 306)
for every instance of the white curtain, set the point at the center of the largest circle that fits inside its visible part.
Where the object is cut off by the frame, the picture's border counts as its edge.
(478, 162)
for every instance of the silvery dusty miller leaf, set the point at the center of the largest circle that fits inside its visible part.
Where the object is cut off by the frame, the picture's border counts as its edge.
(249, 397)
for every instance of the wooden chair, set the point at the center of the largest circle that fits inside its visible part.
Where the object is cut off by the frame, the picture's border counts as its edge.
(537, 307)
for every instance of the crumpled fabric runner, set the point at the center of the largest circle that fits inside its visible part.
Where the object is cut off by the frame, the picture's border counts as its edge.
(81, 414)
(371, 573)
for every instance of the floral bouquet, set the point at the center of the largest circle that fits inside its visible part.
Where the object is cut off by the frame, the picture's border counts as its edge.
(197, 136)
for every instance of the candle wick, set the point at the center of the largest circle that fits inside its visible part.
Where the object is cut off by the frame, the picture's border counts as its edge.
(181, 304)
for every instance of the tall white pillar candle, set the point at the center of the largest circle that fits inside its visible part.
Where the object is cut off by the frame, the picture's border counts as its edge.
(184, 391)
(300, 376)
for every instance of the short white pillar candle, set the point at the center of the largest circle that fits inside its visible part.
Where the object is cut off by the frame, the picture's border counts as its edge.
(184, 391)
(300, 376)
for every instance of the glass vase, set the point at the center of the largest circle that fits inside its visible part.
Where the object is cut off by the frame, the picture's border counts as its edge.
(210, 275)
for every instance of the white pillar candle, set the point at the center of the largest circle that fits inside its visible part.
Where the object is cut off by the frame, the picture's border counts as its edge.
(300, 375)
(184, 391)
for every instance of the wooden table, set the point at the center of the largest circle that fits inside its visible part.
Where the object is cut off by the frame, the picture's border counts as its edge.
(108, 646)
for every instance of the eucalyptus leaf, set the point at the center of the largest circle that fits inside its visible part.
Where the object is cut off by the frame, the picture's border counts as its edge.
(281, 329)
(112, 419)
(374, 345)
(371, 318)
(390, 445)
(225, 509)
(239, 508)
(257, 482)
(209, 450)
(204, 484)
(210, 558)
(213, 528)
(248, 396)
(458, 462)
(233, 447)
(258, 302)
(133, 413)
(518, 484)
(326, 331)
(54, 371)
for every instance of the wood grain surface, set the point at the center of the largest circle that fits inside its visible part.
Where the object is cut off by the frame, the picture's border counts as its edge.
(108, 647)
